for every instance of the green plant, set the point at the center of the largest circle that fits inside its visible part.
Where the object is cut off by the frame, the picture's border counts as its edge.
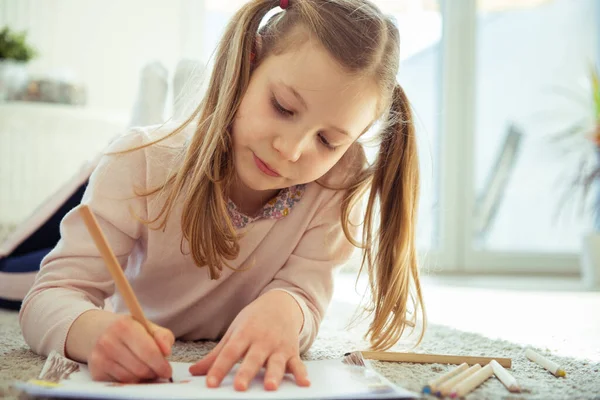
(13, 46)
(587, 171)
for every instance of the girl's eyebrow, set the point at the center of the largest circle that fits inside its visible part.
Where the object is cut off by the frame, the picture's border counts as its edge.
(296, 94)
(301, 100)
(340, 130)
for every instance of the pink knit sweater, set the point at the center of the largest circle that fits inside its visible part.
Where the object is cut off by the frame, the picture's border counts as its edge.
(297, 253)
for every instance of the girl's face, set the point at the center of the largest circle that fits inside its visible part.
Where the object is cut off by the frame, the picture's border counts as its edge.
(299, 115)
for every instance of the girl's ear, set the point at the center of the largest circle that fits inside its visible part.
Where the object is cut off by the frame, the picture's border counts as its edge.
(256, 50)
(258, 43)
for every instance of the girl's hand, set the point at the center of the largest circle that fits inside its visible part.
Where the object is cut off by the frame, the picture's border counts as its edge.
(125, 352)
(265, 333)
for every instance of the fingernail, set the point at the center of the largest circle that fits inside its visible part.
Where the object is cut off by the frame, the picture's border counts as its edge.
(211, 381)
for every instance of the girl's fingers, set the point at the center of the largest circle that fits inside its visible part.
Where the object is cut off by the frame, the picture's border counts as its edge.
(118, 373)
(253, 361)
(297, 367)
(276, 366)
(231, 353)
(104, 369)
(202, 366)
(164, 338)
(114, 349)
(144, 347)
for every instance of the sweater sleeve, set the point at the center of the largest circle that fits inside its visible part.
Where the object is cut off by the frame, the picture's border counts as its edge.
(308, 274)
(73, 278)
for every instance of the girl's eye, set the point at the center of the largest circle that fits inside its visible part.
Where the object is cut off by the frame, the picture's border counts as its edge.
(287, 113)
(279, 108)
(325, 142)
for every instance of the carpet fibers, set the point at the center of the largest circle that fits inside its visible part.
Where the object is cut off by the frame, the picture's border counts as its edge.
(17, 362)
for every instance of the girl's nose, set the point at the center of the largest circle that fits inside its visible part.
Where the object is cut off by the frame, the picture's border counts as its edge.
(290, 148)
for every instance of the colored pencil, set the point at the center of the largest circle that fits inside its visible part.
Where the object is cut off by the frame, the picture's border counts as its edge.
(445, 388)
(432, 385)
(115, 270)
(505, 377)
(470, 383)
(551, 366)
(432, 358)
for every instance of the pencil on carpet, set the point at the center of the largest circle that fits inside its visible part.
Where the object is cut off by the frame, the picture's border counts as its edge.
(433, 384)
(114, 268)
(432, 358)
(551, 366)
(470, 383)
(505, 377)
(445, 388)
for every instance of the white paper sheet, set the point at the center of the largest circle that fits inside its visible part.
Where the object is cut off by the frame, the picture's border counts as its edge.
(330, 379)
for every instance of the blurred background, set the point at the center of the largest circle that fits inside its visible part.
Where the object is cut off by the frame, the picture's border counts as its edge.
(502, 90)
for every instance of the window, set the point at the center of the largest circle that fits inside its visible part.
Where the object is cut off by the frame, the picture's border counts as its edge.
(531, 62)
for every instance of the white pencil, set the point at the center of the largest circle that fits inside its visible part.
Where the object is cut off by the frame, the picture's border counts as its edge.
(445, 388)
(432, 385)
(468, 384)
(551, 366)
(505, 377)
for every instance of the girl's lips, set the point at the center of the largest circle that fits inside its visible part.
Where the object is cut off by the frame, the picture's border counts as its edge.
(264, 167)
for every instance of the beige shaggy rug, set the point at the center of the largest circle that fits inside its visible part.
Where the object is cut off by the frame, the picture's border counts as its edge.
(17, 362)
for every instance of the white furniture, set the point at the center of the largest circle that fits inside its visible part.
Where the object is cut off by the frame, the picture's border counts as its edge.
(41, 146)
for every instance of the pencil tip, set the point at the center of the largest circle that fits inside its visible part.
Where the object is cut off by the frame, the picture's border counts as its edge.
(171, 379)
(346, 355)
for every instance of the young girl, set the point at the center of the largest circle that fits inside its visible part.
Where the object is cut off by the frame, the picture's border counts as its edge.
(229, 226)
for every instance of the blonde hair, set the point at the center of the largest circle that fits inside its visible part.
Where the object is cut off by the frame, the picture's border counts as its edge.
(366, 43)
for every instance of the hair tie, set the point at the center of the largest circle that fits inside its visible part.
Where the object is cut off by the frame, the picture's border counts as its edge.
(283, 4)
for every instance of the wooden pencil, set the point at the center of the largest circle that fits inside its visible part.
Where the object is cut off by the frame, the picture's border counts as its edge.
(505, 377)
(445, 388)
(114, 268)
(433, 358)
(468, 384)
(432, 385)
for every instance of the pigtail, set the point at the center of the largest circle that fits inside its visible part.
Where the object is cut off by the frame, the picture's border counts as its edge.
(392, 267)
